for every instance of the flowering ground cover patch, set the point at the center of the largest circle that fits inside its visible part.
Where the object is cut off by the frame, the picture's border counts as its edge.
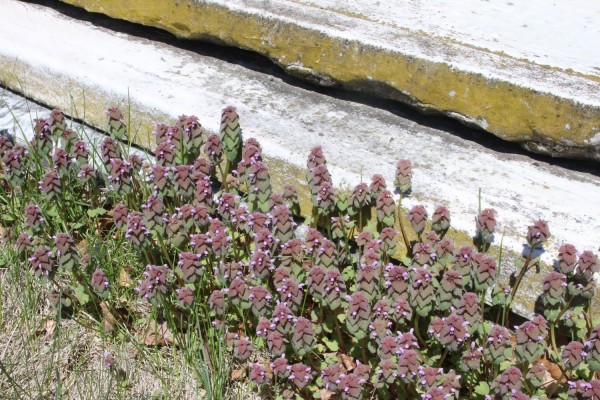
(219, 267)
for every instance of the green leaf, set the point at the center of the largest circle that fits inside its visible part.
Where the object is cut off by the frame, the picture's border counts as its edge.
(482, 388)
(371, 347)
(77, 225)
(96, 212)
(332, 345)
(313, 315)
(580, 323)
(52, 211)
(594, 365)
(81, 295)
(341, 317)
(505, 364)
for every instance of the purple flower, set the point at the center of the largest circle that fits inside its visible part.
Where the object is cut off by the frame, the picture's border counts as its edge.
(165, 153)
(185, 296)
(33, 216)
(377, 186)
(41, 262)
(290, 293)
(555, 288)
(331, 376)
(538, 233)
(189, 267)
(453, 332)
(567, 258)
(154, 287)
(588, 264)
(50, 185)
(86, 173)
(280, 367)
(358, 315)
(217, 301)
(471, 357)
(498, 345)
(120, 175)
(396, 280)
(440, 220)
(276, 343)
(182, 180)
(485, 225)
(531, 339)
(408, 365)
(510, 379)
(351, 386)
(242, 349)
(300, 375)
(99, 281)
(213, 149)
(258, 374)
(80, 152)
(485, 272)
(573, 354)
(303, 336)
(417, 217)
(136, 229)
(283, 319)
(260, 264)
(260, 298)
(61, 159)
(109, 150)
(315, 157)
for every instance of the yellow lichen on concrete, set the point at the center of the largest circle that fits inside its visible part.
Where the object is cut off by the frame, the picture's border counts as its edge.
(512, 112)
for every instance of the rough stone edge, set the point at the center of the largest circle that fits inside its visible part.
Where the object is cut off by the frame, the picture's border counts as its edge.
(539, 121)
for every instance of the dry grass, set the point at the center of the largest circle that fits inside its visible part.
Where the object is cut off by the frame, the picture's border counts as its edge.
(45, 357)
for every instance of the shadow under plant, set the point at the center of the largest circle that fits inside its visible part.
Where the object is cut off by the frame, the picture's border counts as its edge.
(347, 305)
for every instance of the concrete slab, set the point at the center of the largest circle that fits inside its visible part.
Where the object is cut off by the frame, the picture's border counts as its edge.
(524, 71)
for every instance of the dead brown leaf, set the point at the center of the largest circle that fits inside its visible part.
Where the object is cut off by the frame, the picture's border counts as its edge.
(125, 277)
(157, 335)
(112, 316)
(325, 394)
(48, 328)
(347, 361)
(554, 370)
(238, 374)
(82, 247)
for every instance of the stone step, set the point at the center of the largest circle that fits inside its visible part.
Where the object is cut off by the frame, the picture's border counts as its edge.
(494, 66)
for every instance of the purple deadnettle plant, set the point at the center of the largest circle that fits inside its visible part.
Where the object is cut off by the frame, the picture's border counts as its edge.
(403, 177)
(377, 186)
(538, 233)
(41, 262)
(485, 225)
(440, 220)
(99, 282)
(50, 185)
(417, 217)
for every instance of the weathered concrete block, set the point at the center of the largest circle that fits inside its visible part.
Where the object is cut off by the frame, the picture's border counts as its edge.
(548, 110)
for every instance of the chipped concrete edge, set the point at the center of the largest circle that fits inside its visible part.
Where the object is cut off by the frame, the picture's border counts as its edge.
(541, 122)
